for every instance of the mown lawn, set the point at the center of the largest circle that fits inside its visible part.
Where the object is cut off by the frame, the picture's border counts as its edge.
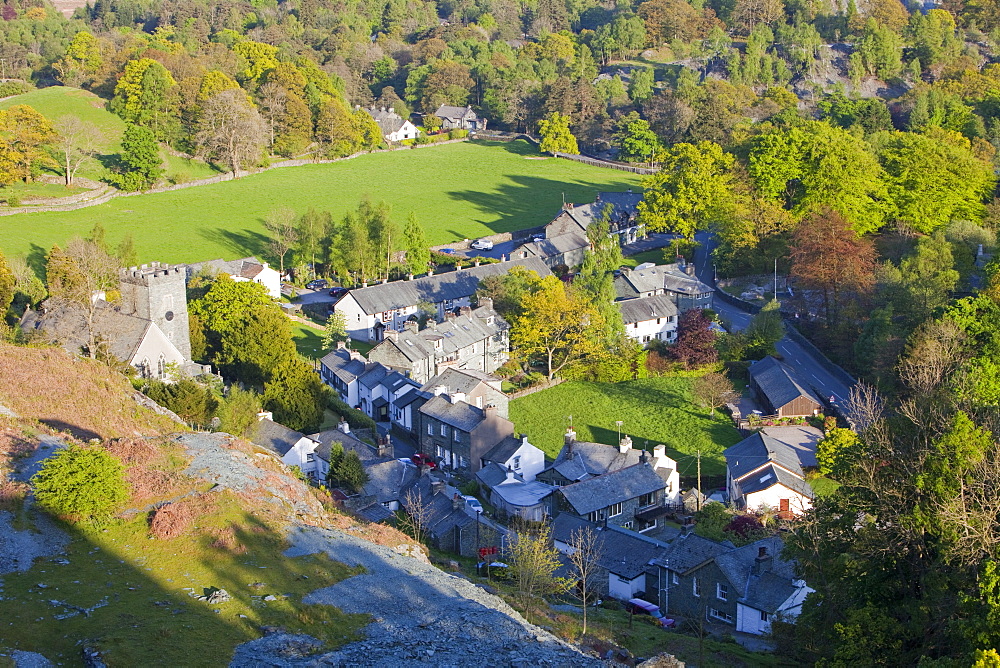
(150, 617)
(652, 411)
(457, 191)
(308, 341)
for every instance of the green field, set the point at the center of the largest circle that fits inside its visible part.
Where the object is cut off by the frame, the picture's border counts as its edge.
(652, 411)
(457, 191)
(57, 101)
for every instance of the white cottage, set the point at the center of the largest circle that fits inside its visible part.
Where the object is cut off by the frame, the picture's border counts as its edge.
(650, 319)
(248, 269)
(762, 473)
(294, 448)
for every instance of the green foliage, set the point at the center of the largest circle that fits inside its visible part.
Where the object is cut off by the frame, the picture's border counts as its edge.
(347, 472)
(238, 412)
(354, 417)
(295, 395)
(418, 255)
(80, 483)
(636, 141)
(836, 450)
(923, 281)
(192, 402)
(145, 96)
(556, 135)
(139, 160)
(8, 283)
(335, 330)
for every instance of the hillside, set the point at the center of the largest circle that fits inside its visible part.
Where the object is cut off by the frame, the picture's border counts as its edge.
(206, 512)
(457, 191)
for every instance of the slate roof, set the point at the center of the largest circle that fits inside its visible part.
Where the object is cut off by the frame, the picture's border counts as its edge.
(771, 476)
(387, 479)
(766, 591)
(276, 437)
(457, 113)
(668, 277)
(756, 450)
(647, 308)
(410, 397)
(779, 382)
(801, 438)
(374, 513)
(690, 551)
(503, 450)
(620, 551)
(65, 323)
(601, 491)
(455, 333)
(590, 459)
(326, 439)
(388, 120)
(247, 267)
(491, 475)
(460, 380)
(438, 288)
(373, 376)
(343, 366)
(461, 415)
(622, 203)
(517, 492)
(556, 245)
(394, 381)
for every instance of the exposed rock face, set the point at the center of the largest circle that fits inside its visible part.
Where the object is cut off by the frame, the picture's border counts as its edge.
(421, 616)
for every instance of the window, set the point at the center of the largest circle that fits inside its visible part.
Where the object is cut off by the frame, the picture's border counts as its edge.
(695, 587)
(614, 510)
(168, 303)
(596, 516)
(658, 321)
(430, 430)
(722, 591)
(763, 616)
(310, 457)
(635, 326)
(627, 525)
(456, 435)
(675, 578)
(444, 430)
(718, 614)
(161, 367)
(647, 499)
(517, 463)
(479, 402)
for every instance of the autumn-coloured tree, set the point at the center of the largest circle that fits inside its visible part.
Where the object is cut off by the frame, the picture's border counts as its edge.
(713, 390)
(827, 255)
(78, 142)
(695, 340)
(231, 131)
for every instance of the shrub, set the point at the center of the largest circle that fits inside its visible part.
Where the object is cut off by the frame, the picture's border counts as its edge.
(180, 177)
(457, 134)
(422, 139)
(174, 519)
(81, 483)
(354, 417)
(13, 200)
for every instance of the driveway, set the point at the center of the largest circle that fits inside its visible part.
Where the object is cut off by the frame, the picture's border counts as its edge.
(502, 248)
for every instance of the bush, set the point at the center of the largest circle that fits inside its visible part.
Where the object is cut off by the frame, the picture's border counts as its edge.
(457, 134)
(13, 200)
(354, 417)
(422, 139)
(174, 519)
(180, 177)
(81, 483)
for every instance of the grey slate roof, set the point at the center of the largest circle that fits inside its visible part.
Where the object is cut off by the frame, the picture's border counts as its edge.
(410, 397)
(65, 323)
(647, 308)
(326, 439)
(491, 475)
(438, 288)
(373, 376)
(456, 113)
(343, 366)
(602, 491)
(503, 450)
(771, 476)
(388, 120)
(690, 551)
(387, 479)
(374, 513)
(764, 592)
(801, 438)
(460, 415)
(779, 382)
(455, 333)
(620, 551)
(667, 277)
(590, 459)
(622, 203)
(276, 437)
(756, 450)
(247, 267)
(459, 380)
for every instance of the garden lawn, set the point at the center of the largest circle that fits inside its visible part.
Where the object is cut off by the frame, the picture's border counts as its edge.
(457, 191)
(652, 411)
(308, 341)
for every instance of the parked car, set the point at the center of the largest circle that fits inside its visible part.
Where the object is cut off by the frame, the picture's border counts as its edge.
(421, 459)
(482, 244)
(338, 292)
(538, 236)
(473, 503)
(447, 251)
(317, 284)
(637, 606)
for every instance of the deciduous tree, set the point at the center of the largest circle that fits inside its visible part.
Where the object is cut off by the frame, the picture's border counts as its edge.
(713, 390)
(231, 131)
(584, 570)
(556, 135)
(78, 142)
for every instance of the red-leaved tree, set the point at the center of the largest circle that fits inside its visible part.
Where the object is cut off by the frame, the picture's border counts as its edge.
(695, 341)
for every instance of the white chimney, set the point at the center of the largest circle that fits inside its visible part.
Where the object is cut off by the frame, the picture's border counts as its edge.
(510, 475)
(439, 390)
(265, 415)
(343, 426)
(457, 397)
(625, 445)
(659, 451)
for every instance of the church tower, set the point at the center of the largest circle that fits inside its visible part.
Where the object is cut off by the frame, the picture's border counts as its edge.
(158, 292)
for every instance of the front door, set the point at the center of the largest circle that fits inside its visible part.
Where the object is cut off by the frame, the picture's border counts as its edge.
(783, 505)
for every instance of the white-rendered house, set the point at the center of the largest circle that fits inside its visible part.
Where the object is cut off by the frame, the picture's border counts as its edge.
(763, 473)
(245, 269)
(650, 319)
(294, 448)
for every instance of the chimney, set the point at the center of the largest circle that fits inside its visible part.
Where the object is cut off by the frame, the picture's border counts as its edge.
(510, 475)
(569, 438)
(411, 326)
(384, 447)
(475, 263)
(490, 411)
(465, 310)
(265, 415)
(689, 269)
(409, 277)
(458, 266)
(457, 502)
(485, 302)
(343, 426)
(643, 457)
(430, 272)
(341, 345)
(390, 335)
(524, 439)
(450, 315)
(503, 258)
(659, 451)
(457, 397)
(762, 564)
(624, 445)
(364, 284)
(439, 390)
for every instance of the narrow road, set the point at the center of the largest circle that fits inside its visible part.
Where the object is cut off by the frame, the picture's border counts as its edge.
(805, 361)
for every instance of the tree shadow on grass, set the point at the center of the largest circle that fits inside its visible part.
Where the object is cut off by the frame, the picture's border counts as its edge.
(242, 243)
(528, 201)
(75, 431)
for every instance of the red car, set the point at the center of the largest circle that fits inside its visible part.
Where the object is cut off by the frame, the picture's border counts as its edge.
(420, 459)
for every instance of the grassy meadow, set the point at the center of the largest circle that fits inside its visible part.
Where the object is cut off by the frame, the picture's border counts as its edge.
(457, 191)
(652, 411)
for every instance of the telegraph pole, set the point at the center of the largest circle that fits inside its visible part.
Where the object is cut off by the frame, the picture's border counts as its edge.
(699, 480)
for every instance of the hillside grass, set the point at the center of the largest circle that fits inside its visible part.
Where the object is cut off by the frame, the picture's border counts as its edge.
(652, 411)
(457, 191)
(151, 617)
(57, 101)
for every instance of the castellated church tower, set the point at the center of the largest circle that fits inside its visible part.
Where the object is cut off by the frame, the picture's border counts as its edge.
(158, 292)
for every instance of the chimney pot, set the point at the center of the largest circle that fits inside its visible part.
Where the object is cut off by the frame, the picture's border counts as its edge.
(761, 552)
(625, 445)
(409, 277)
